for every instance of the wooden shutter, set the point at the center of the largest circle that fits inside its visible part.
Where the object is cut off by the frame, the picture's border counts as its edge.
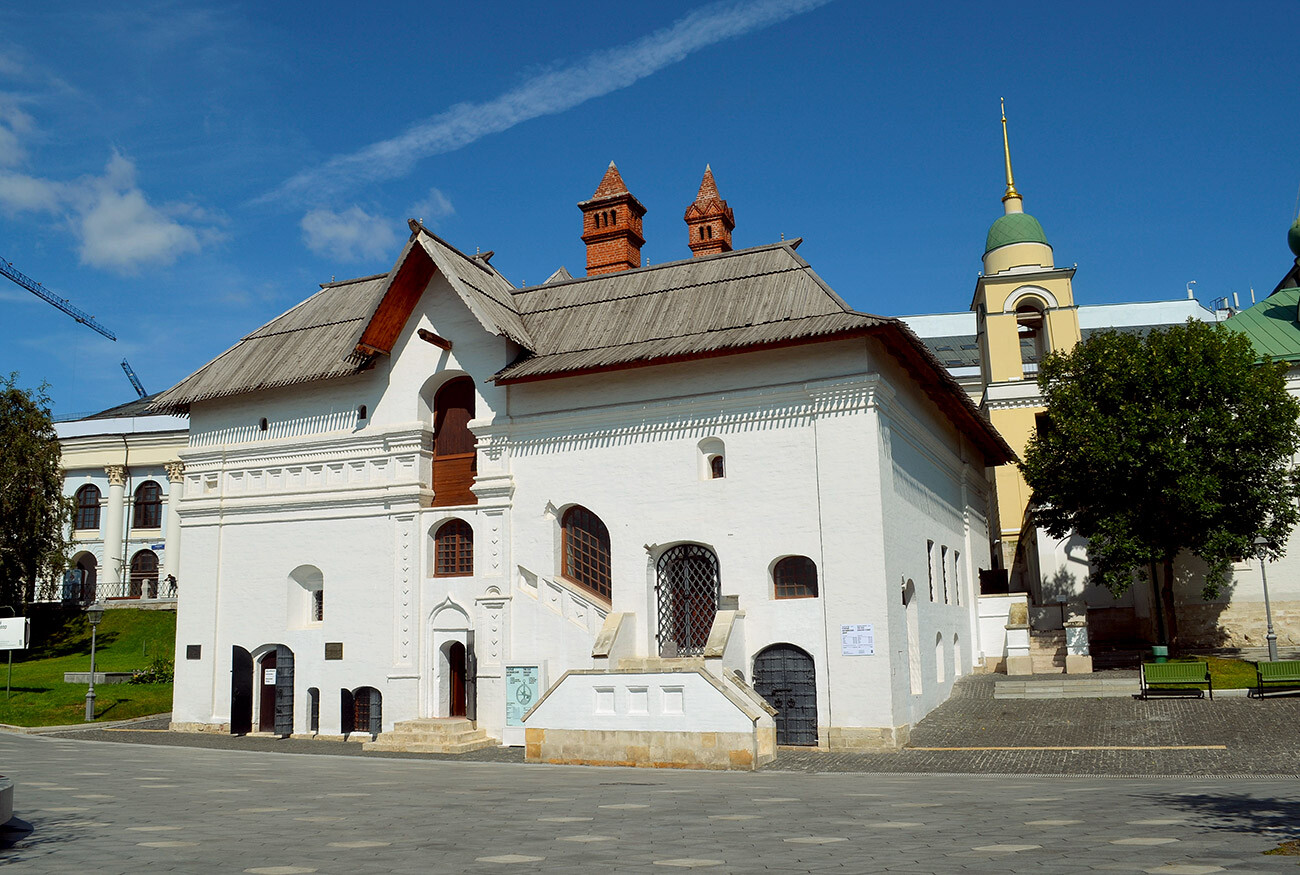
(455, 461)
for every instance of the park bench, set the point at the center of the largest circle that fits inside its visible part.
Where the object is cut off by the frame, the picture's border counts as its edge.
(1284, 673)
(1175, 677)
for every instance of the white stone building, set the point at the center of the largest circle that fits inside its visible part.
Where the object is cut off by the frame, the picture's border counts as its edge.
(640, 497)
(121, 468)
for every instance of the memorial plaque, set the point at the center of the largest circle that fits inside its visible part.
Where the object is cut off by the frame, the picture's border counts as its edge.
(521, 692)
(193, 651)
(333, 649)
(858, 640)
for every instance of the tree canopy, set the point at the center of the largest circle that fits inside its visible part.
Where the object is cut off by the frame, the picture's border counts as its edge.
(34, 513)
(1177, 441)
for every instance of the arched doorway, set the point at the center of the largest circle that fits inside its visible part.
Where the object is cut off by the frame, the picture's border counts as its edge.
(241, 691)
(79, 585)
(274, 687)
(688, 589)
(785, 676)
(456, 675)
(455, 460)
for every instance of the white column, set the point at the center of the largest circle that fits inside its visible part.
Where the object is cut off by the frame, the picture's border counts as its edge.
(113, 518)
(172, 550)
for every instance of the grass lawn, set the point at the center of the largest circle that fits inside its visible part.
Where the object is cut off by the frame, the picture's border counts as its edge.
(127, 639)
(1227, 674)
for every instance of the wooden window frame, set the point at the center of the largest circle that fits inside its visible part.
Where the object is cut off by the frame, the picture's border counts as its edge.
(87, 510)
(795, 577)
(453, 541)
(146, 513)
(585, 552)
(138, 579)
(718, 467)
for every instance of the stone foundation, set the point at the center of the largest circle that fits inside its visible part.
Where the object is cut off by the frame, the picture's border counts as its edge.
(866, 738)
(658, 750)
(1241, 624)
(217, 728)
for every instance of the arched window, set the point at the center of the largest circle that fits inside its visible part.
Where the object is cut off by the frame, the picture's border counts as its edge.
(87, 508)
(585, 550)
(938, 657)
(148, 506)
(455, 461)
(795, 577)
(1029, 327)
(367, 710)
(717, 468)
(453, 550)
(306, 595)
(689, 588)
(144, 574)
(613, 216)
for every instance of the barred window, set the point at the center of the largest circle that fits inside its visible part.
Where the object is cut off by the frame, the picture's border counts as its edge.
(586, 551)
(318, 606)
(87, 507)
(795, 577)
(453, 550)
(148, 506)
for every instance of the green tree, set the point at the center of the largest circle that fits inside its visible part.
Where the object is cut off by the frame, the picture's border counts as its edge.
(1151, 446)
(34, 513)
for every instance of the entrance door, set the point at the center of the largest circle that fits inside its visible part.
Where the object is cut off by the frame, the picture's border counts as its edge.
(283, 691)
(456, 674)
(784, 675)
(688, 589)
(266, 683)
(241, 691)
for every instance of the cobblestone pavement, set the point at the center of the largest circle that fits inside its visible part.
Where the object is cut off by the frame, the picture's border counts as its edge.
(90, 807)
(1183, 736)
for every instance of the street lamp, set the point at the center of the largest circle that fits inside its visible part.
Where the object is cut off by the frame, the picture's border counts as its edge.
(1271, 637)
(94, 614)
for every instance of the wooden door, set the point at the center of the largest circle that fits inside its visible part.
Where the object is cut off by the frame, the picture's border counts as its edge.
(241, 691)
(456, 673)
(455, 461)
(266, 678)
(283, 724)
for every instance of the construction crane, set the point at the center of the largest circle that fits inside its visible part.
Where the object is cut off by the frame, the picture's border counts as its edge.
(135, 381)
(7, 268)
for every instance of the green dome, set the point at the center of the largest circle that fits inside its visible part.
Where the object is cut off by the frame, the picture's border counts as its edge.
(1018, 228)
(1293, 238)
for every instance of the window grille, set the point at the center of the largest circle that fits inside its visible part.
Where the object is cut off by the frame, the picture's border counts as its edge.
(688, 589)
(318, 606)
(453, 550)
(586, 551)
(87, 508)
(148, 506)
(795, 577)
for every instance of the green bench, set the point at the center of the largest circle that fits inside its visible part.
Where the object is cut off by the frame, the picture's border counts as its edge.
(1175, 677)
(1284, 673)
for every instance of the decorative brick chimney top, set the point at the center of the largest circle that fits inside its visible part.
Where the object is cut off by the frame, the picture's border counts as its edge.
(611, 226)
(709, 220)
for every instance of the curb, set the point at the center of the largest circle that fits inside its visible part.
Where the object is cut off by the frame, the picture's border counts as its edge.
(79, 727)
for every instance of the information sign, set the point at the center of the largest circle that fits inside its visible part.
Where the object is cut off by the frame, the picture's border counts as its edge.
(268, 677)
(521, 692)
(15, 633)
(858, 640)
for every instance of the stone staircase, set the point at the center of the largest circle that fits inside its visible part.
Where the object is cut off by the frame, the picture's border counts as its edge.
(432, 735)
(1047, 650)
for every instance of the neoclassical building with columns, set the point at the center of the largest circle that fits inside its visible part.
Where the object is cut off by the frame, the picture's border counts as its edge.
(122, 470)
(666, 514)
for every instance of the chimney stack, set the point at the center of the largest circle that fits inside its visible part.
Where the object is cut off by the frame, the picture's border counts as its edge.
(709, 220)
(611, 226)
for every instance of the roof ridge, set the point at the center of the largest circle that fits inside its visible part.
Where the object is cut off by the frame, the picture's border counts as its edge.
(648, 292)
(786, 244)
(361, 279)
(477, 262)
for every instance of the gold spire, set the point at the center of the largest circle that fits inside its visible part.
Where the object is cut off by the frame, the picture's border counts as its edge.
(1006, 149)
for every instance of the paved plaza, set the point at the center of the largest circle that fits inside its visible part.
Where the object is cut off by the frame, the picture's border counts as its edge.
(100, 807)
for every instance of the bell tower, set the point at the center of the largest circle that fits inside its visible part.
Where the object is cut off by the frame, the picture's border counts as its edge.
(611, 226)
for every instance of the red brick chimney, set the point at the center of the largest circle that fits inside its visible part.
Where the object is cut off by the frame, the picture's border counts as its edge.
(611, 226)
(709, 220)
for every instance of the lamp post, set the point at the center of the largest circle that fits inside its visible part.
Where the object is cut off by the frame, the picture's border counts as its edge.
(94, 614)
(1271, 637)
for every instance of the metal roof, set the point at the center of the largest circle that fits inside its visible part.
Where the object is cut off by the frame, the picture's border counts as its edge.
(1271, 326)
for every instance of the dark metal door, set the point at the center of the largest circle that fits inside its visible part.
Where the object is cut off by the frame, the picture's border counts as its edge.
(376, 712)
(471, 677)
(456, 674)
(266, 683)
(241, 691)
(283, 690)
(347, 712)
(688, 587)
(785, 676)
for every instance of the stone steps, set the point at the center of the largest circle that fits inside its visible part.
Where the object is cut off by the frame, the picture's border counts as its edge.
(432, 735)
(1047, 651)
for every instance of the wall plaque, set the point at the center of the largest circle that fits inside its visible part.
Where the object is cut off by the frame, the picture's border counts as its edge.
(333, 649)
(193, 651)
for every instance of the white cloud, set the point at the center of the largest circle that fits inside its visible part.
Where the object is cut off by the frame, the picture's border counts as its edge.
(22, 193)
(14, 124)
(349, 235)
(551, 92)
(432, 208)
(121, 230)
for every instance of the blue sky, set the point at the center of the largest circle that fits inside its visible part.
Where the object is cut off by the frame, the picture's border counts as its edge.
(186, 172)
